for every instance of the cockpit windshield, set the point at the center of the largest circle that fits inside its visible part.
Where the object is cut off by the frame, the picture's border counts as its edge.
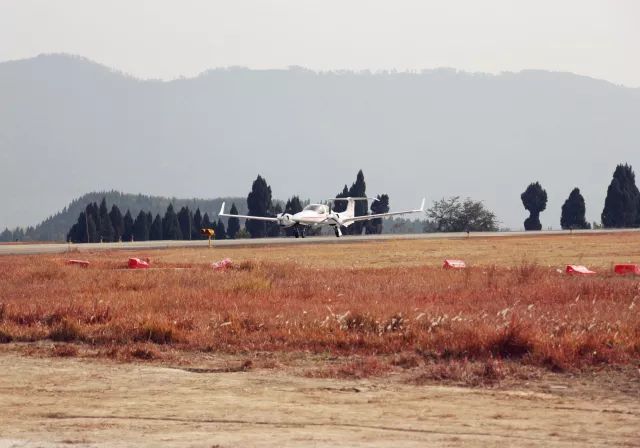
(318, 208)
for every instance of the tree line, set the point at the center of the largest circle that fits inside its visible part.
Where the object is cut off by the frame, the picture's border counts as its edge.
(98, 223)
(56, 226)
(447, 215)
(621, 205)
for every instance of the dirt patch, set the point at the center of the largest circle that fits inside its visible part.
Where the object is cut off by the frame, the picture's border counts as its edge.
(62, 401)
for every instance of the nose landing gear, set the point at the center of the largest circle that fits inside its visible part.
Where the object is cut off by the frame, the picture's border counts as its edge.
(298, 231)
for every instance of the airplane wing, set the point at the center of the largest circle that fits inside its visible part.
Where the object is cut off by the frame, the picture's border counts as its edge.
(258, 218)
(384, 215)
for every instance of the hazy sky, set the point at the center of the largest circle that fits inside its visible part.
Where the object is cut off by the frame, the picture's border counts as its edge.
(166, 39)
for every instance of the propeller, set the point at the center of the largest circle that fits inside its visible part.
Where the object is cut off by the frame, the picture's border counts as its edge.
(335, 217)
(284, 220)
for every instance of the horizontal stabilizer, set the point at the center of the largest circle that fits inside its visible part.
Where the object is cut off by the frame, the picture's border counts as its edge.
(352, 199)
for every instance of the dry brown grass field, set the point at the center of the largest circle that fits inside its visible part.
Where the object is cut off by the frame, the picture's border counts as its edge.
(375, 306)
(354, 344)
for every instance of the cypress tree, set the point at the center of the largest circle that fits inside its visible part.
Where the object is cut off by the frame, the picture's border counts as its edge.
(197, 225)
(259, 204)
(127, 222)
(192, 228)
(613, 214)
(185, 221)
(155, 233)
(94, 236)
(340, 206)
(573, 211)
(6, 236)
(170, 225)
(293, 205)
(206, 222)
(380, 206)
(233, 225)
(358, 190)
(141, 227)
(81, 232)
(105, 229)
(18, 234)
(273, 229)
(117, 222)
(92, 211)
(534, 199)
(622, 204)
(86, 235)
(221, 233)
(75, 235)
(149, 222)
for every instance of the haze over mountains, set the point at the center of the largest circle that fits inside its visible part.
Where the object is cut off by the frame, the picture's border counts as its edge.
(69, 126)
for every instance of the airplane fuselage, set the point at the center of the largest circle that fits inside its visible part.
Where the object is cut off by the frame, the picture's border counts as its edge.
(309, 217)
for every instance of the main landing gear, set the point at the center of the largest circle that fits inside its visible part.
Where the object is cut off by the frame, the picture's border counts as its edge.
(298, 231)
(338, 232)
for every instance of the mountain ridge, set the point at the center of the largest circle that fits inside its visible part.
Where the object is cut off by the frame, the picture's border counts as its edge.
(296, 68)
(69, 125)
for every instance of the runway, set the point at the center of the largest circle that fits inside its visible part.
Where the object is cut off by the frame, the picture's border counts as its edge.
(52, 248)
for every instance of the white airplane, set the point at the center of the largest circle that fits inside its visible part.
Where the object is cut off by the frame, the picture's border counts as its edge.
(322, 215)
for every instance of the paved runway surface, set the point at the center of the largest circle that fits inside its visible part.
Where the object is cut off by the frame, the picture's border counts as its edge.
(50, 248)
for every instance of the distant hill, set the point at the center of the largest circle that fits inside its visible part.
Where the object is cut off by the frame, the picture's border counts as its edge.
(69, 125)
(55, 228)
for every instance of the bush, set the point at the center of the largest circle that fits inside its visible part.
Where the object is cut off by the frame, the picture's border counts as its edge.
(5, 337)
(66, 331)
(513, 342)
(156, 332)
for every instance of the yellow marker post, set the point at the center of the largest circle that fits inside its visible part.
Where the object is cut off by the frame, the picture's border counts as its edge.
(209, 233)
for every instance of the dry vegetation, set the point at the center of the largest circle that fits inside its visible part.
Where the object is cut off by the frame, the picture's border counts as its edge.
(384, 306)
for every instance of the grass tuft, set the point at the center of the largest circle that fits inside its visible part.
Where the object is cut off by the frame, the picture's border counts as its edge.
(514, 342)
(66, 331)
(145, 353)
(462, 372)
(65, 350)
(5, 337)
(156, 332)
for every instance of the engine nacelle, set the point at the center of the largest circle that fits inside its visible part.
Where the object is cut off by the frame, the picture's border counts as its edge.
(338, 220)
(284, 220)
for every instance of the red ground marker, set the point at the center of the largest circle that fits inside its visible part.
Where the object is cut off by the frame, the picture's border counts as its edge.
(627, 268)
(575, 269)
(137, 263)
(222, 264)
(83, 263)
(454, 264)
